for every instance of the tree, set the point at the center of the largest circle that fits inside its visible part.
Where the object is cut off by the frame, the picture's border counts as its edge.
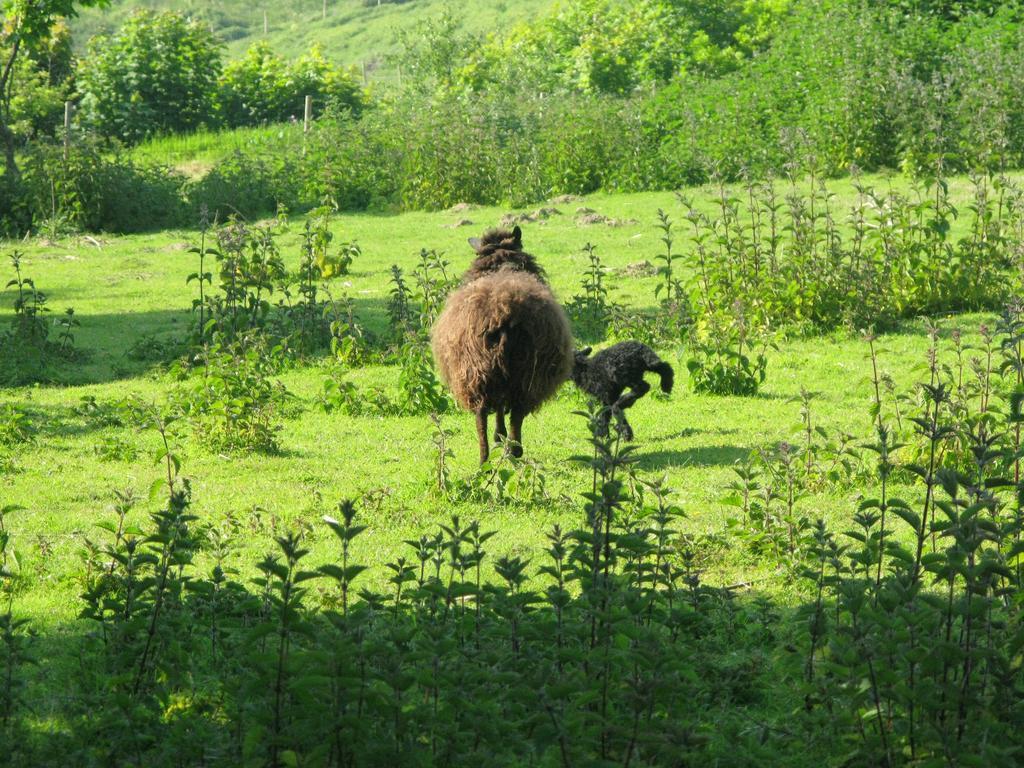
(431, 54)
(24, 26)
(262, 87)
(158, 74)
(252, 89)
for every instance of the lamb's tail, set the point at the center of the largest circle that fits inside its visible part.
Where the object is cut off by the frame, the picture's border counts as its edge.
(664, 370)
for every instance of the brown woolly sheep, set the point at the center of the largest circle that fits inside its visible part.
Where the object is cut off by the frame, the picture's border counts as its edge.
(503, 342)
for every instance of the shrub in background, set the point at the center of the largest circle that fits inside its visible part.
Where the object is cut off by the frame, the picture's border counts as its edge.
(251, 185)
(262, 87)
(158, 74)
(99, 190)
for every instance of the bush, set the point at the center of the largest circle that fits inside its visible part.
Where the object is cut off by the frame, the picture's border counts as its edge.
(263, 88)
(836, 85)
(158, 74)
(432, 152)
(851, 85)
(726, 356)
(353, 162)
(250, 185)
(233, 403)
(27, 353)
(99, 191)
(597, 46)
(15, 215)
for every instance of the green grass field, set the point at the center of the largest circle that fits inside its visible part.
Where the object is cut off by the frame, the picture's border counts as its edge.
(126, 288)
(195, 153)
(352, 33)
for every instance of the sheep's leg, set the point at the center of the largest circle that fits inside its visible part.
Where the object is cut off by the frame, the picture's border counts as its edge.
(481, 434)
(516, 435)
(624, 402)
(500, 433)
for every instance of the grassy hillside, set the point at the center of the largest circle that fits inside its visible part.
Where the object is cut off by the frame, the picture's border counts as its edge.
(351, 33)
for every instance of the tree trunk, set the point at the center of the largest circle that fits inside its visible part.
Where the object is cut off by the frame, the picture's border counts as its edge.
(6, 134)
(10, 164)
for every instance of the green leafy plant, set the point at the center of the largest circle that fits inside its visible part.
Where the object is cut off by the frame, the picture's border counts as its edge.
(420, 391)
(232, 400)
(157, 74)
(15, 425)
(726, 358)
(399, 304)
(591, 310)
(28, 353)
(16, 651)
(261, 87)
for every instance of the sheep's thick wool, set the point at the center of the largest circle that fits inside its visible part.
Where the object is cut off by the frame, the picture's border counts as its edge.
(503, 341)
(502, 344)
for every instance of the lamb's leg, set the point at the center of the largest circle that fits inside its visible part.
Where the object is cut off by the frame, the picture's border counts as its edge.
(516, 435)
(622, 425)
(637, 391)
(500, 433)
(481, 434)
(604, 418)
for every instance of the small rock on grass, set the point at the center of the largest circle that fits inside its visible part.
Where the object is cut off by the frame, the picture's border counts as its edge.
(588, 219)
(637, 269)
(565, 199)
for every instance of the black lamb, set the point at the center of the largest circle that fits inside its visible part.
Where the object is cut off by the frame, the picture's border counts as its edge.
(606, 375)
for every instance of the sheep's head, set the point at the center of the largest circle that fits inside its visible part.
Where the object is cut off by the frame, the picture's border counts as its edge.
(498, 239)
(579, 363)
(501, 249)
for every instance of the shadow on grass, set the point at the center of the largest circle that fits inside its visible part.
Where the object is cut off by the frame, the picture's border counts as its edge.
(702, 456)
(123, 345)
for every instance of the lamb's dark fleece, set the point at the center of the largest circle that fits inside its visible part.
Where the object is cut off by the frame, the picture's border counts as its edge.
(610, 372)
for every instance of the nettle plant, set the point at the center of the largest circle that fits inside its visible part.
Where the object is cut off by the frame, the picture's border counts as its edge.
(771, 483)
(230, 397)
(250, 267)
(433, 284)
(676, 314)
(313, 321)
(411, 311)
(794, 258)
(460, 656)
(914, 639)
(305, 317)
(420, 392)
(28, 352)
(591, 311)
(727, 356)
(16, 425)
(16, 652)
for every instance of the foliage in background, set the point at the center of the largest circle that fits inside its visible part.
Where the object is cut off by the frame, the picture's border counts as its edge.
(598, 46)
(95, 190)
(833, 85)
(263, 88)
(158, 74)
(792, 258)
